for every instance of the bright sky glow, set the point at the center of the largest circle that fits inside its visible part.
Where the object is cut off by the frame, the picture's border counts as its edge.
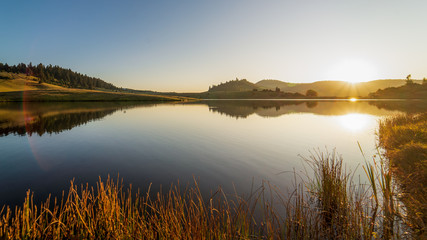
(353, 70)
(188, 45)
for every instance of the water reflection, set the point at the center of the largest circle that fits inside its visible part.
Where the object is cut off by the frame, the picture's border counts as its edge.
(168, 142)
(267, 108)
(409, 106)
(355, 122)
(48, 118)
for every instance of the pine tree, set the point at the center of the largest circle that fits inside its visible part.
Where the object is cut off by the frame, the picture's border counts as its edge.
(409, 81)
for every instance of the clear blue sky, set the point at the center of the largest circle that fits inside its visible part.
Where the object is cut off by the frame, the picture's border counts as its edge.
(189, 45)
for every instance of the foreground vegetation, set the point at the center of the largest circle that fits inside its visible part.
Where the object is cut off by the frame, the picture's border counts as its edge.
(404, 138)
(327, 206)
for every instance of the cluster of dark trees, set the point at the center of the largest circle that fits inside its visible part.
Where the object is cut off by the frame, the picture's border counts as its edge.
(410, 81)
(233, 86)
(311, 93)
(58, 76)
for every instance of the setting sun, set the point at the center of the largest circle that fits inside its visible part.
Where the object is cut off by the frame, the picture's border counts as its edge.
(353, 70)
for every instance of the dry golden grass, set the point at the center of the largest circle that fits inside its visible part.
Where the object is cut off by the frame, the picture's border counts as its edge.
(404, 139)
(19, 87)
(328, 206)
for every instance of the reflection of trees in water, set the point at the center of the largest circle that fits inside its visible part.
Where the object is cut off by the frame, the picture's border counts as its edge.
(407, 106)
(311, 104)
(242, 109)
(68, 116)
(55, 123)
(57, 117)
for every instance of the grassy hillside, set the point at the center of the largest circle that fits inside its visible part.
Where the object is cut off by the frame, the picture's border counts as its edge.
(340, 89)
(11, 82)
(58, 76)
(19, 87)
(244, 95)
(409, 91)
(333, 88)
(272, 84)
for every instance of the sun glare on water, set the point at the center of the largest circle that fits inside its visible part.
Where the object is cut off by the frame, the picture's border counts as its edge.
(354, 122)
(353, 71)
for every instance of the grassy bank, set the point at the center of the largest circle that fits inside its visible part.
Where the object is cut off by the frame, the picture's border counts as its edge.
(80, 95)
(19, 87)
(404, 139)
(326, 206)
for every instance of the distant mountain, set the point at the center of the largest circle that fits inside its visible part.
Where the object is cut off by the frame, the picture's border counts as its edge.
(234, 86)
(333, 88)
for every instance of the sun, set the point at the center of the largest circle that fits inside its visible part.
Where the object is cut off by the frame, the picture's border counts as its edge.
(353, 70)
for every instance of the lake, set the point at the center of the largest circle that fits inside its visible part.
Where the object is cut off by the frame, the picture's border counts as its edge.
(219, 142)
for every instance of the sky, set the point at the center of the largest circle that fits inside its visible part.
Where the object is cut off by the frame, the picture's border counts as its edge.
(186, 46)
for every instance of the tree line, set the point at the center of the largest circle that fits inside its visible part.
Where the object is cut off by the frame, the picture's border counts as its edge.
(58, 76)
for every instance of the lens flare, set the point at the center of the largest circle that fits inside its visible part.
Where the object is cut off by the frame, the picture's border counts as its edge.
(29, 119)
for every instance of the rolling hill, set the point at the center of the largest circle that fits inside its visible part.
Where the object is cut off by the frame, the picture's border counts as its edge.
(333, 88)
(234, 86)
(18, 87)
(407, 91)
(339, 89)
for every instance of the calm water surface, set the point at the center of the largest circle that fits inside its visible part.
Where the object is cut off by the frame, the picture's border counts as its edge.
(221, 143)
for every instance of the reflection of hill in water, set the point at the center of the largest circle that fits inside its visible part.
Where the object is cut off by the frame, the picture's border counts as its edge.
(242, 109)
(41, 118)
(410, 106)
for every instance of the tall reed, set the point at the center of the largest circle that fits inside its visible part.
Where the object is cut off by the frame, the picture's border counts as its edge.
(326, 206)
